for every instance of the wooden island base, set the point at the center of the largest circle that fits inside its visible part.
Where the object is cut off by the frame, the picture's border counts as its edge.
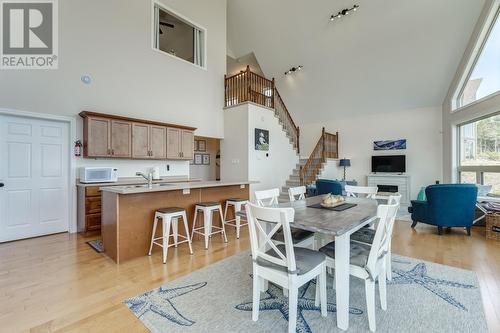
(127, 219)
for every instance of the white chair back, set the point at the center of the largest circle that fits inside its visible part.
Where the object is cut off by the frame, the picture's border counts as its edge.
(260, 240)
(394, 199)
(267, 198)
(368, 191)
(297, 193)
(381, 242)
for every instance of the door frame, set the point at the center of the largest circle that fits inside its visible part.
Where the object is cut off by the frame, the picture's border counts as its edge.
(71, 121)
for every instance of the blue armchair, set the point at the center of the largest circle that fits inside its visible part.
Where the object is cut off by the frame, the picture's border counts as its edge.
(447, 205)
(325, 186)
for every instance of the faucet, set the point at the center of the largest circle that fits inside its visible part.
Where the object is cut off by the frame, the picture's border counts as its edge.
(149, 178)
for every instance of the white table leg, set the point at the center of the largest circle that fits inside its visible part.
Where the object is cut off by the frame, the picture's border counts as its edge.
(342, 254)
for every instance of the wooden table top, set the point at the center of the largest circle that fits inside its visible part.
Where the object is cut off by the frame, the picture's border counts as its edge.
(327, 221)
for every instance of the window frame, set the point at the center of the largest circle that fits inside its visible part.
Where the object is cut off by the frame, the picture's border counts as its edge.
(156, 3)
(479, 170)
(476, 53)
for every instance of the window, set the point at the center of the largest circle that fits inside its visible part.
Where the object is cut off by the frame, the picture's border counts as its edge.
(178, 37)
(480, 152)
(484, 79)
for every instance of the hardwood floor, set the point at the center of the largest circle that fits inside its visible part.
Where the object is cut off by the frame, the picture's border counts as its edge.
(59, 284)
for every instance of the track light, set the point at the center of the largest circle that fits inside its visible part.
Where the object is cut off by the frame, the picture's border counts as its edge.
(294, 69)
(343, 12)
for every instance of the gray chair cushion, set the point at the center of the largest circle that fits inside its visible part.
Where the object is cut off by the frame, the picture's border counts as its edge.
(364, 235)
(207, 204)
(237, 200)
(359, 253)
(298, 235)
(305, 259)
(170, 210)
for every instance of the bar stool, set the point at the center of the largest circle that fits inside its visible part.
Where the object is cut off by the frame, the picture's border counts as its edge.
(208, 208)
(237, 203)
(170, 217)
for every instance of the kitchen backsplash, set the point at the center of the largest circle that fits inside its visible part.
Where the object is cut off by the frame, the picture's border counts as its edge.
(128, 168)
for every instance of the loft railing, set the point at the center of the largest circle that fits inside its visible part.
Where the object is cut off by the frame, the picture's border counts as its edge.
(327, 147)
(247, 86)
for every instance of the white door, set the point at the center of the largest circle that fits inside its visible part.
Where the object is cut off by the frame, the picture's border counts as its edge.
(34, 160)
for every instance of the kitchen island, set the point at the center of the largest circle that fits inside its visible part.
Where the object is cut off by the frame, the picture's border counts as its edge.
(128, 211)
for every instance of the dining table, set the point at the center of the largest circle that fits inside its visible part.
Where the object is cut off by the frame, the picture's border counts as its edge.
(337, 226)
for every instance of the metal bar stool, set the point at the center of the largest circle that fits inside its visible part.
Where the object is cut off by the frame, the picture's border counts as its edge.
(208, 208)
(170, 217)
(238, 204)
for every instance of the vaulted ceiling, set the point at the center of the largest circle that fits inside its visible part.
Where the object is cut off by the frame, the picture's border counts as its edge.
(390, 55)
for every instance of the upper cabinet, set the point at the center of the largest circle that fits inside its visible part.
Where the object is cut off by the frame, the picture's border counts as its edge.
(180, 144)
(149, 141)
(107, 136)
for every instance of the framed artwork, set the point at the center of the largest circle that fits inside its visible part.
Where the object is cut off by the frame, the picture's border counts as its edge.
(198, 159)
(261, 139)
(206, 159)
(202, 145)
(390, 145)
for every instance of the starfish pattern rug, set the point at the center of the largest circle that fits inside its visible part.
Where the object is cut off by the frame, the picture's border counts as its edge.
(422, 297)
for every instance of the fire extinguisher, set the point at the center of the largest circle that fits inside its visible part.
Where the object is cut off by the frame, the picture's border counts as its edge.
(78, 148)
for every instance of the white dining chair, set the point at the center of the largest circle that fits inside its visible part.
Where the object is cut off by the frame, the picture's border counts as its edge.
(369, 263)
(297, 193)
(366, 235)
(300, 237)
(367, 191)
(284, 265)
(267, 198)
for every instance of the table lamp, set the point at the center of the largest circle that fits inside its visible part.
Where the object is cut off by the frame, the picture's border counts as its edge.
(345, 162)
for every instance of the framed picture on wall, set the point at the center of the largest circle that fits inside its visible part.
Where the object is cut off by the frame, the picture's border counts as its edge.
(198, 159)
(206, 159)
(202, 145)
(261, 139)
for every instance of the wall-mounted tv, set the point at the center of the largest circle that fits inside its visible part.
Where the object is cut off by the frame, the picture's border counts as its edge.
(389, 163)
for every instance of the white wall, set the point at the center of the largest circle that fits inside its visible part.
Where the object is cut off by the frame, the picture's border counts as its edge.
(271, 168)
(421, 128)
(240, 160)
(111, 41)
(234, 146)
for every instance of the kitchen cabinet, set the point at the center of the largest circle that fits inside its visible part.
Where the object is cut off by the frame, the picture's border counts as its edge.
(180, 144)
(149, 141)
(121, 138)
(96, 135)
(89, 209)
(111, 136)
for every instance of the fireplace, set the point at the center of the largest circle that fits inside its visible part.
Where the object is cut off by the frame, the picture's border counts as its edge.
(392, 183)
(388, 188)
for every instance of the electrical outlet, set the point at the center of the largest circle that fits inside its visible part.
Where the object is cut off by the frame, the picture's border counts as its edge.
(186, 191)
(242, 186)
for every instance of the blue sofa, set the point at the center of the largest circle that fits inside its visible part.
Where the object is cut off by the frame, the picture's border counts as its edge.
(447, 205)
(325, 186)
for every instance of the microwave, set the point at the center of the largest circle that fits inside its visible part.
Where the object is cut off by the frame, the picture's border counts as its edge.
(98, 175)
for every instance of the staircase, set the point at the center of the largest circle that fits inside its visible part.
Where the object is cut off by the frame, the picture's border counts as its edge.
(247, 86)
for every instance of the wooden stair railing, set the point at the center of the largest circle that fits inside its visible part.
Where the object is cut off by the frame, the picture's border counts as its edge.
(248, 86)
(327, 147)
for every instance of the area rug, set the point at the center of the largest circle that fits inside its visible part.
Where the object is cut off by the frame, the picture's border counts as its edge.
(96, 245)
(423, 297)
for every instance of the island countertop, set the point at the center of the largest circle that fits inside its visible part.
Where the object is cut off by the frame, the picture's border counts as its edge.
(128, 212)
(174, 186)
